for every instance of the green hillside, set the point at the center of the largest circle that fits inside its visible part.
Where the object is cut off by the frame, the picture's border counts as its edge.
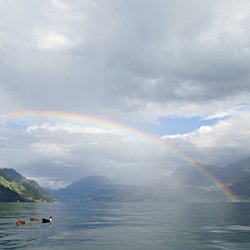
(24, 190)
(7, 195)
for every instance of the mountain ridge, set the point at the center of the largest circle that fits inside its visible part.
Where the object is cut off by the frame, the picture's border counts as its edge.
(15, 187)
(184, 184)
(82, 187)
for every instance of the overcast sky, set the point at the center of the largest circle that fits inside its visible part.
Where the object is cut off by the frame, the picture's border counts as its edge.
(175, 69)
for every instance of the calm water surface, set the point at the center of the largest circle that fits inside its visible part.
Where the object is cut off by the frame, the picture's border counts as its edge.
(147, 226)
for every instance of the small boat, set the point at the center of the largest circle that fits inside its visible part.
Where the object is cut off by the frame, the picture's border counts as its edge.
(34, 219)
(20, 222)
(47, 220)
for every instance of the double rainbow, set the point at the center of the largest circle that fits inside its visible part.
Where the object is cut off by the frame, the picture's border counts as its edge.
(107, 124)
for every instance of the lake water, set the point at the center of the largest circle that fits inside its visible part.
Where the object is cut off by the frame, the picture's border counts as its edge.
(147, 226)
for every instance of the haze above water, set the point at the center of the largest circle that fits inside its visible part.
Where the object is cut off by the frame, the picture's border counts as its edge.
(78, 225)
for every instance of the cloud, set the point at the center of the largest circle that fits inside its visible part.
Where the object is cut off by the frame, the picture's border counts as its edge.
(122, 59)
(50, 149)
(134, 62)
(67, 128)
(7, 102)
(49, 182)
(225, 142)
(51, 40)
(64, 152)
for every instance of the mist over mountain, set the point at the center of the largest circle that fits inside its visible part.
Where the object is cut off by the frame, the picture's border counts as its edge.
(83, 187)
(229, 174)
(99, 188)
(184, 184)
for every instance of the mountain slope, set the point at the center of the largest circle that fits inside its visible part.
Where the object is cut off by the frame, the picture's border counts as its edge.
(235, 175)
(8, 195)
(30, 184)
(27, 190)
(83, 187)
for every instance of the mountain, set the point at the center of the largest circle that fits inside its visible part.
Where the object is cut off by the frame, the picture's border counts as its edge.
(14, 175)
(8, 195)
(83, 187)
(238, 171)
(15, 187)
(123, 193)
(236, 176)
(99, 188)
(242, 189)
(189, 176)
(17, 177)
(184, 184)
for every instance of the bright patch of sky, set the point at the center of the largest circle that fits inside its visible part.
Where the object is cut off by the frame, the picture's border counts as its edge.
(16, 125)
(177, 125)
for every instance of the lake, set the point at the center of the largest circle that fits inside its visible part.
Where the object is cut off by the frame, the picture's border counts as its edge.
(147, 226)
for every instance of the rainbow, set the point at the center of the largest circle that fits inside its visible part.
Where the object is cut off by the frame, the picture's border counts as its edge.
(124, 130)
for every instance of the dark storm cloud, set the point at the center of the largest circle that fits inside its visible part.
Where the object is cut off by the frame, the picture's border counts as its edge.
(83, 55)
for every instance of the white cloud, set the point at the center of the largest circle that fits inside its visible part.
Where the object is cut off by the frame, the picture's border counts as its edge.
(67, 127)
(50, 149)
(63, 164)
(215, 144)
(51, 40)
(61, 4)
(49, 182)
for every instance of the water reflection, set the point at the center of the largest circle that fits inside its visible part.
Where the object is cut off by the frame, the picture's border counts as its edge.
(126, 226)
